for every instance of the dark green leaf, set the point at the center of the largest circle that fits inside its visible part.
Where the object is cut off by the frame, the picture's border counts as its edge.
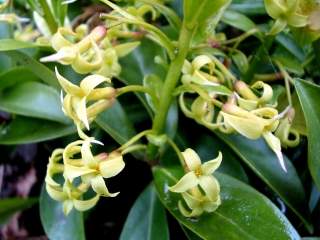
(288, 43)
(243, 214)
(116, 123)
(22, 130)
(288, 60)
(10, 206)
(16, 76)
(40, 70)
(56, 225)
(33, 99)
(11, 44)
(248, 7)
(308, 94)
(146, 219)
(259, 157)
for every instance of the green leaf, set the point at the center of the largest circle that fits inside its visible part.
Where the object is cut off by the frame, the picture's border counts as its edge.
(33, 99)
(116, 123)
(146, 219)
(154, 83)
(40, 70)
(240, 60)
(240, 21)
(12, 44)
(288, 60)
(142, 63)
(16, 76)
(10, 206)
(308, 94)
(243, 214)
(248, 7)
(288, 43)
(260, 158)
(197, 13)
(23, 130)
(56, 225)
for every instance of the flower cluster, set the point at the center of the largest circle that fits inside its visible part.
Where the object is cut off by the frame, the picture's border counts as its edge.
(231, 105)
(88, 53)
(200, 190)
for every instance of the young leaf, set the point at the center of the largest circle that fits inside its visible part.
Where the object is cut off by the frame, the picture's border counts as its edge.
(248, 7)
(12, 44)
(308, 94)
(147, 218)
(243, 214)
(258, 156)
(33, 99)
(56, 225)
(10, 206)
(23, 130)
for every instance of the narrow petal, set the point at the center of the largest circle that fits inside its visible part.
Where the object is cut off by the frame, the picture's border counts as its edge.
(56, 193)
(191, 201)
(67, 85)
(72, 172)
(81, 110)
(84, 205)
(192, 159)
(99, 186)
(210, 186)
(111, 167)
(91, 82)
(275, 144)
(194, 213)
(87, 155)
(212, 206)
(187, 182)
(209, 167)
(67, 207)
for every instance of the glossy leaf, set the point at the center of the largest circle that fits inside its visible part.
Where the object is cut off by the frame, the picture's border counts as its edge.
(116, 123)
(260, 158)
(146, 219)
(33, 99)
(12, 44)
(308, 94)
(16, 76)
(248, 7)
(243, 214)
(40, 70)
(9, 206)
(23, 130)
(56, 225)
(287, 42)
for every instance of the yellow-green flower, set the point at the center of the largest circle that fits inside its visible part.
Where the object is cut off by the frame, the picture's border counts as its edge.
(77, 98)
(92, 169)
(66, 193)
(200, 71)
(198, 175)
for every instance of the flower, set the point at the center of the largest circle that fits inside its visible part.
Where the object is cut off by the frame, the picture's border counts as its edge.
(77, 97)
(66, 193)
(198, 176)
(91, 169)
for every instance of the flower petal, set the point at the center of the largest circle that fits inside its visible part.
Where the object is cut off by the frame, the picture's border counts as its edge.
(56, 193)
(99, 186)
(187, 182)
(92, 81)
(192, 159)
(194, 213)
(67, 207)
(84, 205)
(67, 85)
(81, 110)
(87, 155)
(111, 167)
(72, 172)
(209, 167)
(210, 186)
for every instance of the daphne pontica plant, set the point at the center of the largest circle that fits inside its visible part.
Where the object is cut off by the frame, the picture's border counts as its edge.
(173, 84)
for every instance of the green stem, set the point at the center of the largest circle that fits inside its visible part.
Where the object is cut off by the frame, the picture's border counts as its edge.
(135, 88)
(48, 16)
(171, 81)
(134, 140)
(287, 80)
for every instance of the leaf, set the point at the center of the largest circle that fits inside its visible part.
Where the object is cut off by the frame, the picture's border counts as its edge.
(56, 225)
(146, 219)
(9, 206)
(288, 60)
(197, 13)
(154, 83)
(142, 63)
(288, 43)
(308, 94)
(12, 44)
(240, 60)
(116, 123)
(23, 130)
(16, 76)
(33, 99)
(243, 214)
(260, 158)
(40, 70)
(240, 21)
(248, 7)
